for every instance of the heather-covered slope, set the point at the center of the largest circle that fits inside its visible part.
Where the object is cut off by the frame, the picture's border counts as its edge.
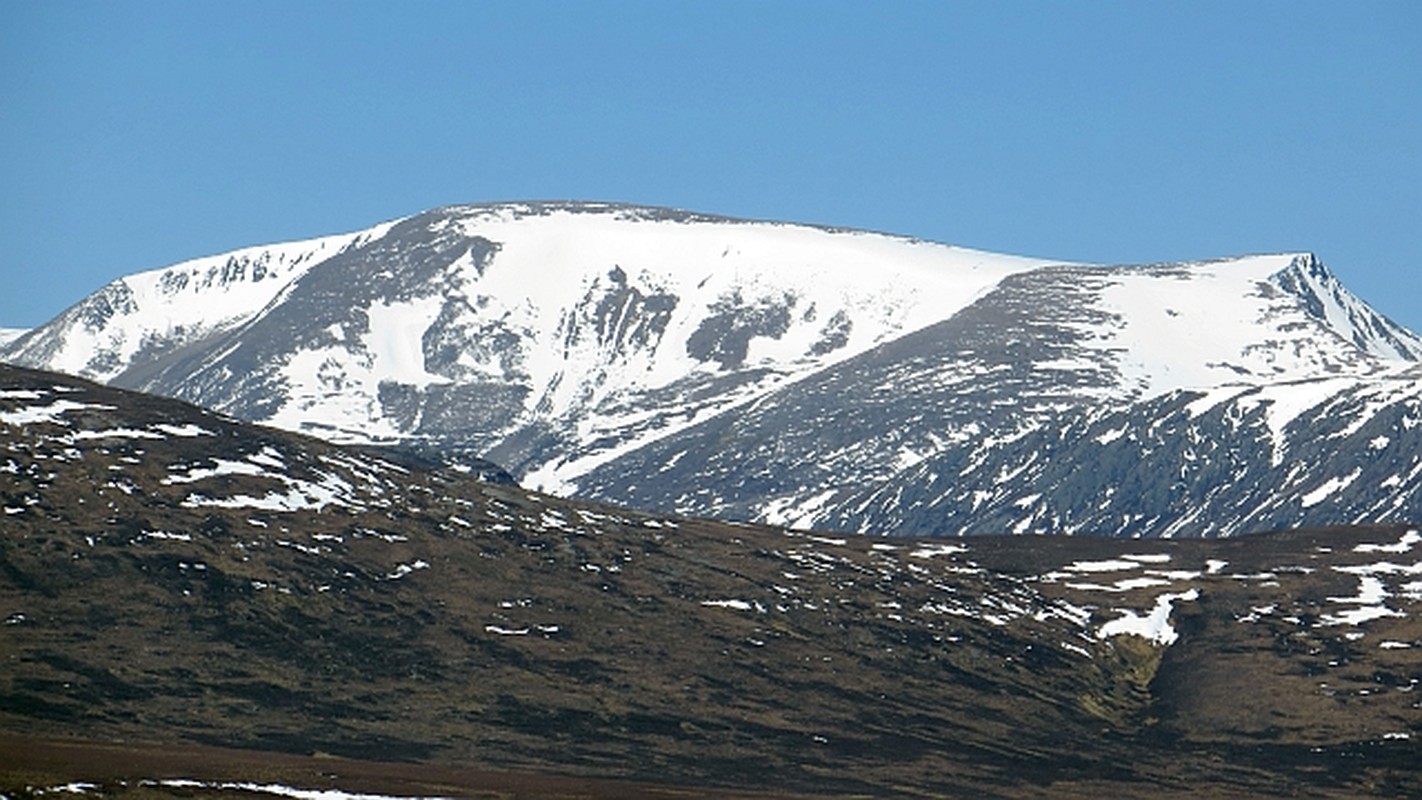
(168, 575)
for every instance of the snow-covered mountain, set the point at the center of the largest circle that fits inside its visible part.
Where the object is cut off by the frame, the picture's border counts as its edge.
(791, 374)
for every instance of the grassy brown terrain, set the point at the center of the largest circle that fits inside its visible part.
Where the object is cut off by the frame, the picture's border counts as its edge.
(186, 596)
(138, 770)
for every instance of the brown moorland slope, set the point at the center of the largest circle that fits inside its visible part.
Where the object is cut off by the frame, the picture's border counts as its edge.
(173, 581)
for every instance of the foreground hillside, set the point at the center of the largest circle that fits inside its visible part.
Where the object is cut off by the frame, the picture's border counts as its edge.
(794, 375)
(172, 577)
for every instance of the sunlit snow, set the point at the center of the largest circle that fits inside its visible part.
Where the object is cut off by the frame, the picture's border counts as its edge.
(281, 790)
(1403, 545)
(1155, 626)
(52, 412)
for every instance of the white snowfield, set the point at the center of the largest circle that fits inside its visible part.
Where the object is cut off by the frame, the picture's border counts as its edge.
(885, 284)
(1220, 323)
(539, 283)
(272, 789)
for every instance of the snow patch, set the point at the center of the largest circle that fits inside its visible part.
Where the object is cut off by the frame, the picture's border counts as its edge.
(48, 414)
(932, 550)
(1370, 597)
(280, 790)
(395, 340)
(1403, 545)
(1328, 487)
(1109, 565)
(1155, 626)
(738, 605)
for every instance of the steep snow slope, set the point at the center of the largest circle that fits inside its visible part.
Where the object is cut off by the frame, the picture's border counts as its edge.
(535, 329)
(142, 317)
(1250, 319)
(931, 431)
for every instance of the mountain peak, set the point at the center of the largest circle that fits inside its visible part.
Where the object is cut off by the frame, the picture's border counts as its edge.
(1308, 279)
(699, 363)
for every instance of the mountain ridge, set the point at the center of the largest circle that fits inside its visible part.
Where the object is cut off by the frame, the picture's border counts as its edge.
(580, 344)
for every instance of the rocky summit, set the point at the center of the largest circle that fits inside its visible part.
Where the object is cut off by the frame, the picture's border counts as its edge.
(195, 606)
(793, 375)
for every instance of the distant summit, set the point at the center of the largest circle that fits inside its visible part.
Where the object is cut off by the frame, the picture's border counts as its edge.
(792, 374)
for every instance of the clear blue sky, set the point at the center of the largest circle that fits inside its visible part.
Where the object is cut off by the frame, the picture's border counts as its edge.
(137, 134)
